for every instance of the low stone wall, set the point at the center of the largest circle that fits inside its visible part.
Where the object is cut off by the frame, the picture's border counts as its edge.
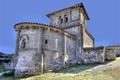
(99, 54)
(110, 53)
(94, 55)
(116, 48)
(117, 51)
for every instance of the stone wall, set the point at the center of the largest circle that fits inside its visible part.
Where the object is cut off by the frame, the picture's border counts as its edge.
(117, 51)
(28, 63)
(53, 51)
(69, 52)
(60, 51)
(94, 55)
(77, 32)
(110, 53)
(74, 30)
(41, 50)
(99, 54)
(29, 58)
(116, 48)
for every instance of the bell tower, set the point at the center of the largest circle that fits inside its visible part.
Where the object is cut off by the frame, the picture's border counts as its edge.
(70, 19)
(74, 21)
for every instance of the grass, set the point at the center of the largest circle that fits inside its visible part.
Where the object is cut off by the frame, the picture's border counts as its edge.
(114, 72)
(83, 75)
(80, 72)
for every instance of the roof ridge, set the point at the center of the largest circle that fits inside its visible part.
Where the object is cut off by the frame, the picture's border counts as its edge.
(76, 5)
(34, 23)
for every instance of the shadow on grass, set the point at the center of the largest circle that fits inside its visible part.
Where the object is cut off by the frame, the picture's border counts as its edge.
(9, 78)
(80, 68)
(77, 69)
(7, 75)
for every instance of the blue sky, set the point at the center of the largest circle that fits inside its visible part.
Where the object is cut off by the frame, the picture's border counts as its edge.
(104, 21)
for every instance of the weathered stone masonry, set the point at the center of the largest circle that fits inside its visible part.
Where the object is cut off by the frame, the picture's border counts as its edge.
(44, 49)
(63, 43)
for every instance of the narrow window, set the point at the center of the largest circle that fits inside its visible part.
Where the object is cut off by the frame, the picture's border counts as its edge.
(60, 19)
(23, 44)
(66, 18)
(46, 41)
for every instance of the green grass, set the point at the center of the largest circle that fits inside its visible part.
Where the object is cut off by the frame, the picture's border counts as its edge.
(78, 69)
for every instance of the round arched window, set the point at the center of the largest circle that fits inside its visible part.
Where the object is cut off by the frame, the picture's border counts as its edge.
(60, 19)
(23, 40)
(23, 43)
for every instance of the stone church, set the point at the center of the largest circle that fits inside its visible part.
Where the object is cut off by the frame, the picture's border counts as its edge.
(65, 42)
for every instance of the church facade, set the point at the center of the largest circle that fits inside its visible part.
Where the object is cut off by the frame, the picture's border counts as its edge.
(41, 47)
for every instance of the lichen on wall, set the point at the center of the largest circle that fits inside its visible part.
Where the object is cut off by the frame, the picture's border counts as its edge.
(94, 55)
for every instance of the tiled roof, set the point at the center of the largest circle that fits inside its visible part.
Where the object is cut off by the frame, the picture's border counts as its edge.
(74, 6)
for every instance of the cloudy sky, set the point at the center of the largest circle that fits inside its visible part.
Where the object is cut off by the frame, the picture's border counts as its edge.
(104, 21)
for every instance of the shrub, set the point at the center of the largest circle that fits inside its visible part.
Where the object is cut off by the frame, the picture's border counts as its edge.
(8, 73)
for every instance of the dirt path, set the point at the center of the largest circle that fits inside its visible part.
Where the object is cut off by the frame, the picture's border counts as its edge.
(103, 67)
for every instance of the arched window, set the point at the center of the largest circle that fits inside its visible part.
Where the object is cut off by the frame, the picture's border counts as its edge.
(23, 43)
(66, 18)
(60, 19)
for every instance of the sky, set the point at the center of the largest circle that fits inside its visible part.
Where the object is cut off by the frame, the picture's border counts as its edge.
(104, 23)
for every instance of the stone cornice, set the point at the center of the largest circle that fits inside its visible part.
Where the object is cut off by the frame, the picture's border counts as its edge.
(30, 25)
